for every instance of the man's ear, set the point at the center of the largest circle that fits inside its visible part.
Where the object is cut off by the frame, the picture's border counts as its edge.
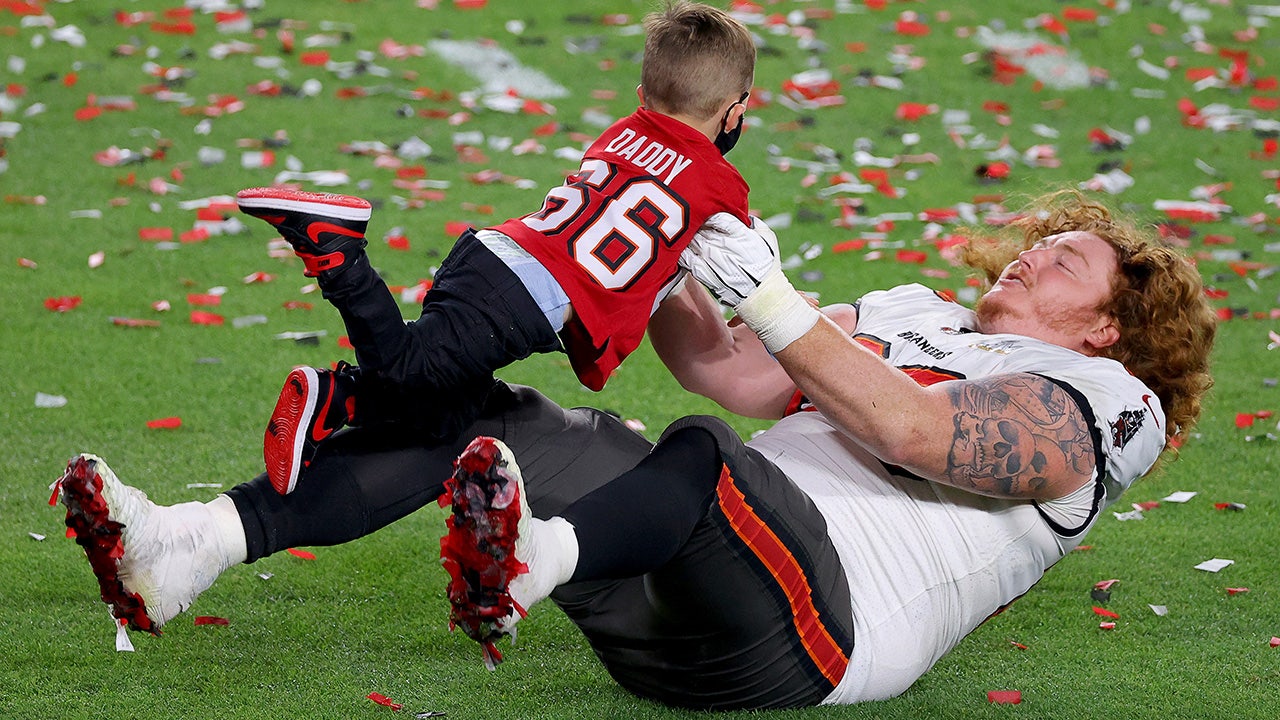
(1104, 334)
(640, 94)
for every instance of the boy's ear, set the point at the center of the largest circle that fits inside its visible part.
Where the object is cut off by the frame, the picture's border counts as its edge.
(640, 94)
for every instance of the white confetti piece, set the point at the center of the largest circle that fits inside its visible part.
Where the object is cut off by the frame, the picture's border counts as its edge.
(197, 486)
(45, 400)
(1131, 515)
(1214, 565)
(1179, 497)
(1160, 610)
(36, 536)
(123, 643)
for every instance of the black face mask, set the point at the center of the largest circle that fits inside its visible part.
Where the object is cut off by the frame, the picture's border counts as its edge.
(728, 138)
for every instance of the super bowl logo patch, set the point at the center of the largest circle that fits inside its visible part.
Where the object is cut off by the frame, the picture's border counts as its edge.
(1125, 426)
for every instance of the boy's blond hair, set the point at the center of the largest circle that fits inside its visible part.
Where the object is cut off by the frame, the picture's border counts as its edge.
(696, 59)
(1166, 324)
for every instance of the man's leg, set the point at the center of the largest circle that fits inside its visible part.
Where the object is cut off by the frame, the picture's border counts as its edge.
(362, 482)
(703, 578)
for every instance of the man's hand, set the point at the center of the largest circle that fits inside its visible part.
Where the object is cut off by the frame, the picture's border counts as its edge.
(740, 266)
(731, 259)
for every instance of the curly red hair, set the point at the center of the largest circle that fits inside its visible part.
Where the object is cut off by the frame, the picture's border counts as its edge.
(1158, 302)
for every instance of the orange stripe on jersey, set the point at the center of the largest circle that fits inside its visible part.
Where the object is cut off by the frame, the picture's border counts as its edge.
(926, 376)
(786, 571)
(874, 344)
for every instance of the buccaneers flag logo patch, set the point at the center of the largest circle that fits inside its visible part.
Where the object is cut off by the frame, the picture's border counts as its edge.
(1124, 427)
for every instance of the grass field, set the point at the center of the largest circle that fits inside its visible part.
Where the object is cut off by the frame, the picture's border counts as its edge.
(314, 638)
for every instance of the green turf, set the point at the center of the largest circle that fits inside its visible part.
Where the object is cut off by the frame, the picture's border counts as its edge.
(316, 637)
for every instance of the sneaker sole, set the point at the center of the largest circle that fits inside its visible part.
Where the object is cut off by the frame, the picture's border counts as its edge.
(344, 207)
(285, 438)
(89, 515)
(479, 549)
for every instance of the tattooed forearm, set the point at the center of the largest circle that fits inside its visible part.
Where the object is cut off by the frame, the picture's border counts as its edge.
(1016, 436)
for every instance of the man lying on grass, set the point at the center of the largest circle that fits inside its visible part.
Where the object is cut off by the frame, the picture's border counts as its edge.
(930, 464)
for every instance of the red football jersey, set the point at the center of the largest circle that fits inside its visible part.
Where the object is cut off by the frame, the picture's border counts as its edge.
(611, 235)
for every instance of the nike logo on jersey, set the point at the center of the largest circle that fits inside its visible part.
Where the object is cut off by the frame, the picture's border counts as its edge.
(1146, 400)
(648, 154)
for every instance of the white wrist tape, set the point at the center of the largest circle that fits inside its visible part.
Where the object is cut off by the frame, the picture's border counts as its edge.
(777, 313)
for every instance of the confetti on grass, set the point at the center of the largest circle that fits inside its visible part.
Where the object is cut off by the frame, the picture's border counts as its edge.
(384, 701)
(1004, 697)
(1214, 565)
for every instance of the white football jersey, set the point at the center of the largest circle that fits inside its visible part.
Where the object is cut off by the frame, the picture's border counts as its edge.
(927, 563)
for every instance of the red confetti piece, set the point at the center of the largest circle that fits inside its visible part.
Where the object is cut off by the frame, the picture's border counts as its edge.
(914, 111)
(22, 8)
(194, 236)
(1231, 592)
(27, 263)
(911, 256)
(1265, 104)
(211, 620)
(64, 303)
(1105, 584)
(911, 28)
(1148, 505)
(1104, 612)
(199, 317)
(454, 228)
(315, 58)
(1075, 14)
(1004, 697)
(1018, 645)
(168, 423)
(303, 554)
(470, 4)
(85, 114)
(1107, 626)
(177, 28)
(155, 233)
(297, 305)
(398, 242)
(1244, 420)
(384, 701)
(344, 342)
(848, 246)
(203, 299)
(1275, 642)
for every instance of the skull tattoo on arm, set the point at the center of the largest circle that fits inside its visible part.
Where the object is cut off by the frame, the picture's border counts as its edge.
(1016, 436)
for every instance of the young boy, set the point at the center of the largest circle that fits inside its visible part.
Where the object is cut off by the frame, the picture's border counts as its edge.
(582, 274)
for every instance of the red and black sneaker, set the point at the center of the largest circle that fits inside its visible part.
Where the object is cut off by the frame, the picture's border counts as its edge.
(313, 404)
(490, 515)
(325, 230)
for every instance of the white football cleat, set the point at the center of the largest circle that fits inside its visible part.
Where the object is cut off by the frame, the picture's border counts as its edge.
(151, 561)
(500, 559)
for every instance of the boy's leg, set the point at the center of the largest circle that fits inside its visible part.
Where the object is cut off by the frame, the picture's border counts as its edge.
(313, 404)
(325, 230)
(432, 373)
